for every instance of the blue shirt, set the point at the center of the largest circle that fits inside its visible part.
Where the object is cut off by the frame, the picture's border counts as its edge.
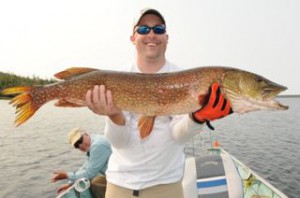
(97, 159)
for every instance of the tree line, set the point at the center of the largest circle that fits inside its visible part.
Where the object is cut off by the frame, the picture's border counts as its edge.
(12, 80)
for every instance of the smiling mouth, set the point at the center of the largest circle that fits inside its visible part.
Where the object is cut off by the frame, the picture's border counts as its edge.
(151, 44)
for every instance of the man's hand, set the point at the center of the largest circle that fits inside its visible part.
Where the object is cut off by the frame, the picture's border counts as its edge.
(59, 175)
(63, 188)
(217, 107)
(101, 102)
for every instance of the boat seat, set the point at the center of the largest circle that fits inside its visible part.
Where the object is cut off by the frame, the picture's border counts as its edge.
(212, 176)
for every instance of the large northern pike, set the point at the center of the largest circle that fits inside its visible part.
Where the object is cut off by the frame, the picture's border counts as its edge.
(151, 94)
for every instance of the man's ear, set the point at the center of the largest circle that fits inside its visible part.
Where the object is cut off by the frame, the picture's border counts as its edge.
(132, 39)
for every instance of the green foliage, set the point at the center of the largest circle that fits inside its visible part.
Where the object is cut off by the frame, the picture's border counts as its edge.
(12, 80)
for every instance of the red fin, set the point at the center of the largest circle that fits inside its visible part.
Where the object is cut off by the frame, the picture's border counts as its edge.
(145, 125)
(23, 102)
(73, 71)
(65, 103)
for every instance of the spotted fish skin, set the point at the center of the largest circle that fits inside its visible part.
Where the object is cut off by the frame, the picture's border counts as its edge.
(151, 94)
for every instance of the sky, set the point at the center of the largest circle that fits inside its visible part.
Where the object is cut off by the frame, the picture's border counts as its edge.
(43, 37)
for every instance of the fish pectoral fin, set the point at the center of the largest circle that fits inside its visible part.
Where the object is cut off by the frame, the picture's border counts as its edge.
(65, 103)
(145, 125)
(73, 71)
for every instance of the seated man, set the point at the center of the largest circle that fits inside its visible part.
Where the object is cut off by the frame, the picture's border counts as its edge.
(97, 150)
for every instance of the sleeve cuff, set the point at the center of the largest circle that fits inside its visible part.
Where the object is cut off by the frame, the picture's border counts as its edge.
(117, 135)
(71, 176)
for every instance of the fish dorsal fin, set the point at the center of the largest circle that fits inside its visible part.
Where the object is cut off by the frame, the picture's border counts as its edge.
(72, 71)
(145, 125)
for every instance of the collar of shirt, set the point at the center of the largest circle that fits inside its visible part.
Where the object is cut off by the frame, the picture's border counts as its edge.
(165, 68)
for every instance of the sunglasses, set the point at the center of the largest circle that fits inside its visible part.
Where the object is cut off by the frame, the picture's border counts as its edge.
(145, 29)
(78, 142)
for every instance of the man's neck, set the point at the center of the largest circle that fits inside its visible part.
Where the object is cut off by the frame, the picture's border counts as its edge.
(150, 66)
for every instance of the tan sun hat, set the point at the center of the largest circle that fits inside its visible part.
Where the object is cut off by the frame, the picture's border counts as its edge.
(74, 135)
(147, 11)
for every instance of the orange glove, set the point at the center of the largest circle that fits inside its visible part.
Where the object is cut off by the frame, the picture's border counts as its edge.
(216, 107)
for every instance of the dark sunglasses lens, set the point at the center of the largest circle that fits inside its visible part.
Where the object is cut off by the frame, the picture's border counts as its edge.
(77, 144)
(159, 29)
(143, 29)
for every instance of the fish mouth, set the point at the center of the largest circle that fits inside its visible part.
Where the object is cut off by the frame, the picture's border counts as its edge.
(244, 105)
(272, 90)
(269, 94)
(267, 101)
(272, 104)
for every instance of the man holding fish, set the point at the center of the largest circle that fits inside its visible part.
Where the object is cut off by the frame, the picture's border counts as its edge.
(143, 164)
(149, 107)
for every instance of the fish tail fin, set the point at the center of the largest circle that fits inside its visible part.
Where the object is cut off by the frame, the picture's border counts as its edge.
(15, 90)
(25, 107)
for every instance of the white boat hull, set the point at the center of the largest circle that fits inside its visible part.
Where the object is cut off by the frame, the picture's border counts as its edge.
(220, 175)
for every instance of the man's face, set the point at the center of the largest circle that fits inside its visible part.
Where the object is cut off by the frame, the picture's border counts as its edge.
(151, 45)
(85, 145)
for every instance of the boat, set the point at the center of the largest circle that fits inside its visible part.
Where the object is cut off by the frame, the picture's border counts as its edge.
(218, 174)
(214, 174)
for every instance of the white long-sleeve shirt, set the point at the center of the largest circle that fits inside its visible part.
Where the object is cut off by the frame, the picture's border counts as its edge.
(138, 163)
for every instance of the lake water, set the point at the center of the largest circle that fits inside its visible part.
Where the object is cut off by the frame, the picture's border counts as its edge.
(268, 142)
